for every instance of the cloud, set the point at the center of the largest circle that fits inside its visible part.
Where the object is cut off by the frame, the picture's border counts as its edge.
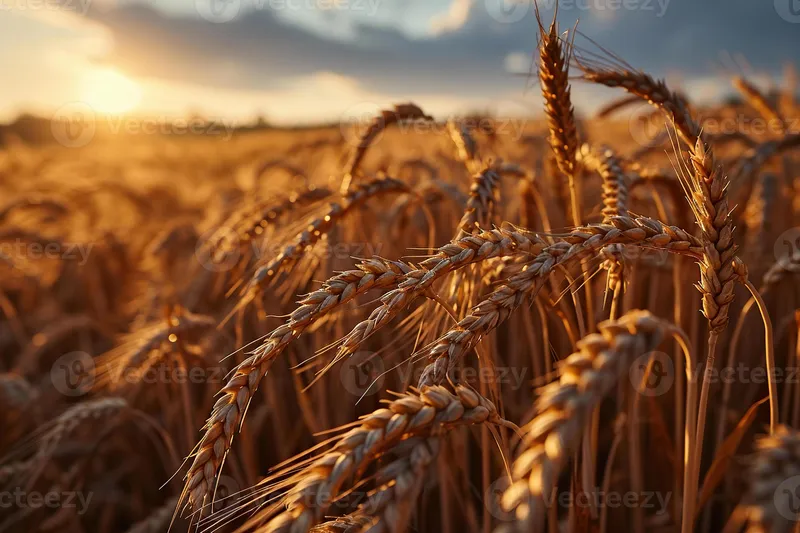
(467, 58)
(454, 19)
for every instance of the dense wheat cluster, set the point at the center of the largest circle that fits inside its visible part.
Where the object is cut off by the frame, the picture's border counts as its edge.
(412, 324)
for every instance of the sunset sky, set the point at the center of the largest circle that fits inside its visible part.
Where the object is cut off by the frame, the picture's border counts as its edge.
(315, 60)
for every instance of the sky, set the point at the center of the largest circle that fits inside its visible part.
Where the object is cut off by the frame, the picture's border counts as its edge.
(305, 61)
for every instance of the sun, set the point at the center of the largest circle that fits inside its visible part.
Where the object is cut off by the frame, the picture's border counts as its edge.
(109, 91)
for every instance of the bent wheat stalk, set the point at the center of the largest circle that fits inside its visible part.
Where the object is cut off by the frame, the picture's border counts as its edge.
(228, 412)
(387, 118)
(389, 507)
(314, 488)
(316, 229)
(563, 409)
(496, 308)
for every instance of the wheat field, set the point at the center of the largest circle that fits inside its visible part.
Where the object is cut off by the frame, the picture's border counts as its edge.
(476, 323)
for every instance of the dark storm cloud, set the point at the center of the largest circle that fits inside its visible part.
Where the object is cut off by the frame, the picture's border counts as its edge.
(260, 51)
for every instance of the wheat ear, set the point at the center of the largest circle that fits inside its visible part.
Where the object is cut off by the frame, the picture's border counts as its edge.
(466, 147)
(554, 79)
(759, 102)
(314, 488)
(451, 257)
(758, 156)
(228, 411)
(74, 417)
(482, 197)
(445, 352)
(387, 118)
(389, 507)
(318, 228)
(615, 204)
(773, 477)
(563, 409)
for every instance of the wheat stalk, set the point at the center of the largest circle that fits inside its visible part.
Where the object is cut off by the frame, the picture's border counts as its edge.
(158, 521)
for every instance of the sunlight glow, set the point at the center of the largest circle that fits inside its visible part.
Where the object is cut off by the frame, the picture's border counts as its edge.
(109, 91)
